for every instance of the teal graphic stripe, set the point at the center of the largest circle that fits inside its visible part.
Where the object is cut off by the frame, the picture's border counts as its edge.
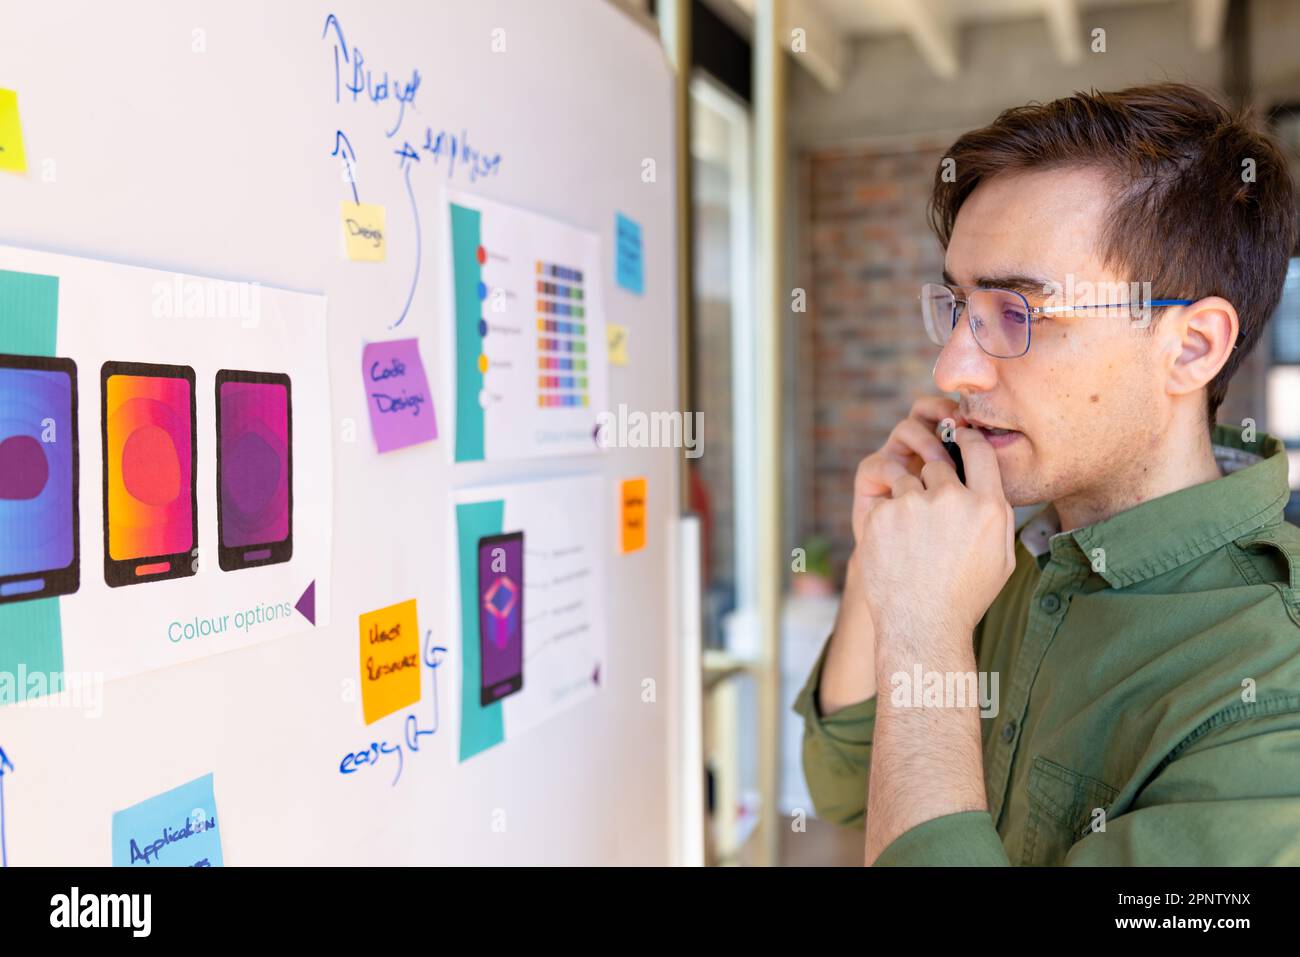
(469, 344)
(31, 636)
(480, 727)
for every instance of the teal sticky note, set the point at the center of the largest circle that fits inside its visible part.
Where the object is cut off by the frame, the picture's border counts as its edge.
(629, 265)
(481, 726)
(32, 652)
(177, 828)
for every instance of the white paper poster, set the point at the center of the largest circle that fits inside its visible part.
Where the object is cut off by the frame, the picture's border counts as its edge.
(527, 350)
(184, 509)
(531, 614)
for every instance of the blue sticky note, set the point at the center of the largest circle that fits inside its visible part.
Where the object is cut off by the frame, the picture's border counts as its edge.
(629, 265)
(177, 828)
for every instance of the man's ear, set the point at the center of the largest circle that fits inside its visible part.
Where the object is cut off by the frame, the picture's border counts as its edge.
(1204, 335)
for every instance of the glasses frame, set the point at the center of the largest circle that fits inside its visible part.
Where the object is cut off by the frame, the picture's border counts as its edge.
(1031, 312)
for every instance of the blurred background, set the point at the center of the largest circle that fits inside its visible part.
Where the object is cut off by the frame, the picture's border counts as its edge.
(811, 130)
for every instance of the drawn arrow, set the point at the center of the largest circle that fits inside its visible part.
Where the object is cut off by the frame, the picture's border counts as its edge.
(6, 766)
(349, 157)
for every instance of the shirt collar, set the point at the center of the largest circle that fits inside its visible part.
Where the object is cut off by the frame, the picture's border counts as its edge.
(1163, 533)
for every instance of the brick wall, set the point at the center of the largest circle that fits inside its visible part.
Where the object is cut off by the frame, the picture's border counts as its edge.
(866, 357)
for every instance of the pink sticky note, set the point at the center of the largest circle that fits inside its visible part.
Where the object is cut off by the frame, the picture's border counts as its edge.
(397, 394)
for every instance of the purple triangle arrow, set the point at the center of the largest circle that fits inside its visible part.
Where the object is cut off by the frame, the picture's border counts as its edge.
(307, 603)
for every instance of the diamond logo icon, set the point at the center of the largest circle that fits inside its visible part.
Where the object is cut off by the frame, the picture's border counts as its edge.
(500, 600)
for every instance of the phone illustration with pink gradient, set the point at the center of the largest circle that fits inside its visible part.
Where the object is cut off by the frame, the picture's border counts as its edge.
(254, 469)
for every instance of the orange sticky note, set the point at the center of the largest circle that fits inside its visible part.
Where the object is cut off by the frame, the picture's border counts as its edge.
(390, 660)
(634, 508)
(363, 231)
(12, 157)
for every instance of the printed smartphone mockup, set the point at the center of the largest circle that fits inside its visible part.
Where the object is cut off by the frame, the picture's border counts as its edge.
(150, 471)
(39, 540)
(254, 469)
(500, 615)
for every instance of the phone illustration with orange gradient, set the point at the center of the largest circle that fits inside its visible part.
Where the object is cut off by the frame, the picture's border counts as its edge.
(150, 472)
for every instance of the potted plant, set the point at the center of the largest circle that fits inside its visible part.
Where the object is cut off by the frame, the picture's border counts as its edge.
(814, 580)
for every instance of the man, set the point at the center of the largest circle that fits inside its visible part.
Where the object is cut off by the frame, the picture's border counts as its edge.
(1110, 258)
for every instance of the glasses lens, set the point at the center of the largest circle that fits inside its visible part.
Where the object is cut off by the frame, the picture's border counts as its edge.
(1000, 320)
(937, 303)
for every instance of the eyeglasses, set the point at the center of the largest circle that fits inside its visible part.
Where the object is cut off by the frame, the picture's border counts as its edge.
(1001, 320)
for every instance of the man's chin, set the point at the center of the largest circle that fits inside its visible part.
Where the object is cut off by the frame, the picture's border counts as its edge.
(1020, 486)
(1019, 498)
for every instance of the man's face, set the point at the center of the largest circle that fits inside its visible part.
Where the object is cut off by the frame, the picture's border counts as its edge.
(1086, 403)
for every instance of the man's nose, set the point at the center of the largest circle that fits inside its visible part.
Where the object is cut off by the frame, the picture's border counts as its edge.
(963, 366)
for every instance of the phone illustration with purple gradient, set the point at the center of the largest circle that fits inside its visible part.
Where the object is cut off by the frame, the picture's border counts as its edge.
(254, 469)
(500, 615)
(39, 483)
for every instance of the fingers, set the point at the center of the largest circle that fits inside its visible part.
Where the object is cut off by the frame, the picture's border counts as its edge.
(933, 409)
(911, 440)
(980, 462)
(935, 474)
(912, 437)
(904, 484)
(876, 474)
(911, 446)
(874, 483)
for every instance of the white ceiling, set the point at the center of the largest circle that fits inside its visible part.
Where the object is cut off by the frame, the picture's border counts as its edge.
(873, 17)
(933, 26)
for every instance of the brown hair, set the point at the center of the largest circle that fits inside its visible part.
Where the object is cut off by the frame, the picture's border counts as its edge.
(1186, 215)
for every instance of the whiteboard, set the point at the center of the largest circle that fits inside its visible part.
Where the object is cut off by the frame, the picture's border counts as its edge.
(198, 138)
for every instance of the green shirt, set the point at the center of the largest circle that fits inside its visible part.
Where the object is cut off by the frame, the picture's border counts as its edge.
(1149, 690)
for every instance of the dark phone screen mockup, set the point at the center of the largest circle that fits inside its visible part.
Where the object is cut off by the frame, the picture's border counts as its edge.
(501, 615)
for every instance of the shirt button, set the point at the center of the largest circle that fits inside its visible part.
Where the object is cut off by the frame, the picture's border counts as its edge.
(1050, 603)
(1009, 731)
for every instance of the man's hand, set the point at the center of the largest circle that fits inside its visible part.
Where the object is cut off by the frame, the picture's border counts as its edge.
(908, 449)
(849, 674)
(933, 556)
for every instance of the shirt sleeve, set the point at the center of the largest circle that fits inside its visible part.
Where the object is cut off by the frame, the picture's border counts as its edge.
(961, 839)
(836, 752)
(1231, 797)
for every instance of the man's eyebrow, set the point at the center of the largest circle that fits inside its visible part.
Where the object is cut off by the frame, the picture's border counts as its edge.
(1016, 282)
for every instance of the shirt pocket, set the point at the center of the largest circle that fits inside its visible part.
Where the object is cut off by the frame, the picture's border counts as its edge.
(1062, 807)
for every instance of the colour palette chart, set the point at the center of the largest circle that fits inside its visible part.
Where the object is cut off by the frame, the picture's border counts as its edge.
(561, 337)
(528, 331)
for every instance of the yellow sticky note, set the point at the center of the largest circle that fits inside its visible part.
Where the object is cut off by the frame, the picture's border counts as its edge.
(390, 660)
(363, 231)
(12, 156)
(634, 508)
(617, 336)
